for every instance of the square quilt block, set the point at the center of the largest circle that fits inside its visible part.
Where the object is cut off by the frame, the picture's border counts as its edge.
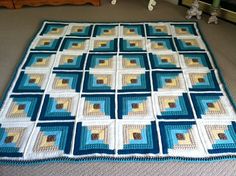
(184, 29)
(31, 81)
(92, 138)
(173, 106)
(219, 137)
(50, 140)
(46, 44)
(13, 139)
(59, 107)
(187, 43)
(103, 45)
(53, 29)
(101, 62)
(132, 44)
(195, 60)
(133, 61)
(212, 106)
(135, 106)
(99, 82)
(65, 81)
(132, 30)
(138, 138)
(21, 108)
(160, 45)
(168, 81)
(158, 29)
(106, 31)
(39, 60)
(97, 107)
(74, 45)
(133, 81)
(181, 139)
(79, 30)
(66, 61)
(201, 80)
(164, 60)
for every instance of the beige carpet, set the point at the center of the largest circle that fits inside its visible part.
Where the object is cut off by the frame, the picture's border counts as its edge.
(124, 169)
(18, 26)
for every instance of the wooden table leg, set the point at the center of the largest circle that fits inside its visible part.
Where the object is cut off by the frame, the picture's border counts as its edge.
(7, 4)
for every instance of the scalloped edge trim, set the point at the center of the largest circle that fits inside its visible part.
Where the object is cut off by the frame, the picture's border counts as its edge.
(122, 159)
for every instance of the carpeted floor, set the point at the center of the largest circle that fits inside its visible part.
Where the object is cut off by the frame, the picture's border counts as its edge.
(124, 169)
(18, 26)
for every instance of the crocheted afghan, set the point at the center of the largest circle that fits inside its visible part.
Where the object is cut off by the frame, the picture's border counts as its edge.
(117, 92)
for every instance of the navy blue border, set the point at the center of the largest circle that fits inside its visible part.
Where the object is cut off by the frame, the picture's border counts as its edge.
(120, 159)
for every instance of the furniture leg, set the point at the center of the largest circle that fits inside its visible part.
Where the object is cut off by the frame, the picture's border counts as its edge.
(113, 2)
(194, 11)
(151, 4)
(214, 12)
